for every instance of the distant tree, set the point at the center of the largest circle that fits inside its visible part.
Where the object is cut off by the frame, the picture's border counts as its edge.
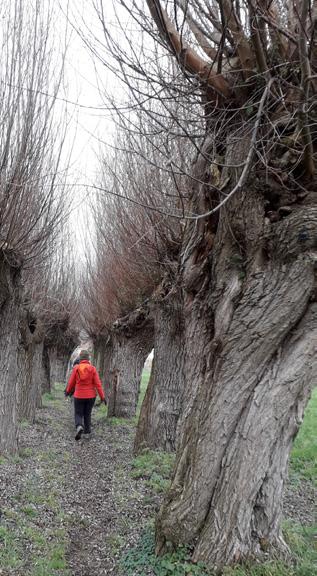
(60, 312)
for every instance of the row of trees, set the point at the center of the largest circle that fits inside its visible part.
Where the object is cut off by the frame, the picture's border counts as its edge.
(205, 250)
(131, 274)
(36, 298)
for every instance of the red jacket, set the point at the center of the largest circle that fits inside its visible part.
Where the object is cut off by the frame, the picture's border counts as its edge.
(85, 381)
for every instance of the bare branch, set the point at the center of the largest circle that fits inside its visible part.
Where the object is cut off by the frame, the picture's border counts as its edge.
(190, 59)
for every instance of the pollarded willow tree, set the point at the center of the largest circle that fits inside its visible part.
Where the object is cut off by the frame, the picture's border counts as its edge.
(31, 372)
(248, 259)
(48, 317)
(153, 156)
(151, 241)
(31, 203)
(60, 312)
(116, 285)
(135, 248)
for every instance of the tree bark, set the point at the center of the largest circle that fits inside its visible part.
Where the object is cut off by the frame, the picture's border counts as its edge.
(251, 335)
(132, 341)
(161, 407)
(58, 366)
(30, 366)
(46, 381)
(103, 352)
(30, 380)
(9, 337)
(97, 353)
(60, 341)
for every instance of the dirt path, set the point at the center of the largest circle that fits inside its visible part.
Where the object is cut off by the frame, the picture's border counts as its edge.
(68, 507)
(72, 508)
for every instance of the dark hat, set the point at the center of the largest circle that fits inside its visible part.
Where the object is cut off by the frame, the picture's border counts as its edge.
(84, 355)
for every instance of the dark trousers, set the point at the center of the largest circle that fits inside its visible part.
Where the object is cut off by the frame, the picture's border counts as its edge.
(83, 408)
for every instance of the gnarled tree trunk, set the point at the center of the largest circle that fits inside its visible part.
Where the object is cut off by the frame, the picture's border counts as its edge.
(39, 375)
(30, 380)
(30, 367)
(162, 403)
(9, 338)
(46, 370)
(60, 341)
(251, 336)
(97, 346)
(103, 352)
(58, 365)
(132, 341)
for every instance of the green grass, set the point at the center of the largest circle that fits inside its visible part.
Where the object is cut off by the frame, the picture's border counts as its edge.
(144, 384)
(46, 553)
(140, 559)
(303, 544)
(120, 421)
(101, 411)
(303, 462)
(24, 547)
(29, 511)
(154, 468)
(25, 452)
(9, 553)
(59, 387)
(47, 397)
(54, 562)
(55, 397)
(101, 415)
(115, 541)
(24, 424)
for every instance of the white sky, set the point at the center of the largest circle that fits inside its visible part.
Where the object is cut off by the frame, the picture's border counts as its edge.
(87, 122)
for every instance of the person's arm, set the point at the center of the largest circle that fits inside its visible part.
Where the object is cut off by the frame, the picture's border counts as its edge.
(71, 382)
(98, 386)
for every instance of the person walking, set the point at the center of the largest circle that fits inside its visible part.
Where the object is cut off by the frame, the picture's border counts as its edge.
(84, 383)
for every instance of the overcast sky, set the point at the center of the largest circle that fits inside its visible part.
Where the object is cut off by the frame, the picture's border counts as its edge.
(91, 127)
(88, 122)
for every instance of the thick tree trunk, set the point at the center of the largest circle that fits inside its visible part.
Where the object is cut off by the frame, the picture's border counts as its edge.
(60, 341)
(30, 366)
(251, 335)
(38, 374)
(97, 344)
(70, 363)
(30, 380)
(105, 363)
(46, 370)
(132, 341)
(163, 399)
(58, 366)
(103, 352)
(9, 338)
